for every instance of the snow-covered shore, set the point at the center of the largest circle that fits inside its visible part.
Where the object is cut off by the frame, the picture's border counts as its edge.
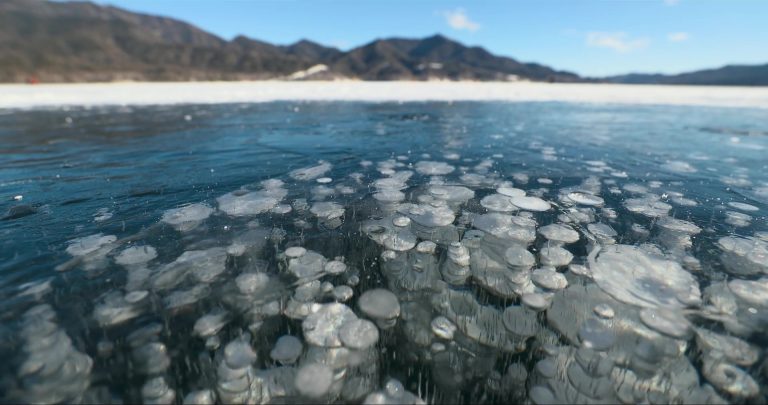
(129, 93)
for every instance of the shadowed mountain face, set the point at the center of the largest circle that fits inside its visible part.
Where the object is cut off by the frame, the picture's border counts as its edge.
(81, 41)
(438, 57)
(737, 75)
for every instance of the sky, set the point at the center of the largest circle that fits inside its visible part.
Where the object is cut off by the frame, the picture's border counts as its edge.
(588, 37)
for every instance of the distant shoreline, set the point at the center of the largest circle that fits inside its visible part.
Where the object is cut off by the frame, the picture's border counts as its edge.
(22, 96)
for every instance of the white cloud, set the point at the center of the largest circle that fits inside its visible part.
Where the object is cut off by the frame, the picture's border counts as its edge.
(671, 2)
(459, 20)
(678, 36)
(618, 41)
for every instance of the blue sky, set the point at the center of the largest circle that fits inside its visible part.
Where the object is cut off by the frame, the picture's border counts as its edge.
(589, 37)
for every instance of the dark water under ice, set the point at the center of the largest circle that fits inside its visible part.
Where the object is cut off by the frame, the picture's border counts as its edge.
(69, 303)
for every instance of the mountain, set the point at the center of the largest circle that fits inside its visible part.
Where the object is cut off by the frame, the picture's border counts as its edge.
(312, 51)
(731, 75)
(437, 57)
(81, 41)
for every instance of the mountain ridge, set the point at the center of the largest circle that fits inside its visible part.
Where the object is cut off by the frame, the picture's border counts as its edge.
(737, 75)
(81, 41)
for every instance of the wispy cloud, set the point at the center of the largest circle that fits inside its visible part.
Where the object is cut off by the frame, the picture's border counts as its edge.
(678, 36)
(671, 2)
(459, 20)
(617, 41)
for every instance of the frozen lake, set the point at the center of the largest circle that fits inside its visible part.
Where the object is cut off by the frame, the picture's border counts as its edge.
(343, 251)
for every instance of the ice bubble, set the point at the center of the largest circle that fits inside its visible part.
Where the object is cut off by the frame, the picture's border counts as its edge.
(730, 348)
(327, 210)
(307, 265)
(210, 324)
(510, 191)
(335, 267)
(136, 255)
(427, 247)
(239, 354)
(200, 397)
(389, 196)
(287, 349)
(249, 283)
(648, 207)
(212, 343)
(559, 233)
(729, 378)
(537, 301)
(603, 232)
(89, 244)
(594, 335)
(531, 203)
(245, 204)
(281, 209)
(737, 219)
(683, 202)
(520, 321)
(394, 183)
(744, 256)
(324, 180)
(188, 216)
(393, 393)
(36, 288)
(182, 298)
(203, 265)
(310, 173)
(582, 198)
(393, 238)
(428, 215)
(115, 309)
(295, 251)
(667, 322)
(151, 358)
(147, 333)
(635, 277)
(743, 206)
(679, 167)
(506, 226)
(604, 311)
(134, 297)
(443, 327)
(321, 328)
(156, 391)
(314, 380)
(342, 293)
(498, 203)
(401, 221)
(431, 168)
(555, 256)
(678, 225)
(454, 194)
(549, 279)
(353, 280)
(359, 334)
(379, 304)
(518, 257)
(580, 270)
(754, 292)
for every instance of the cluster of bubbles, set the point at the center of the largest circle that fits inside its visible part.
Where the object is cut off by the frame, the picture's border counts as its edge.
(410, 282)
